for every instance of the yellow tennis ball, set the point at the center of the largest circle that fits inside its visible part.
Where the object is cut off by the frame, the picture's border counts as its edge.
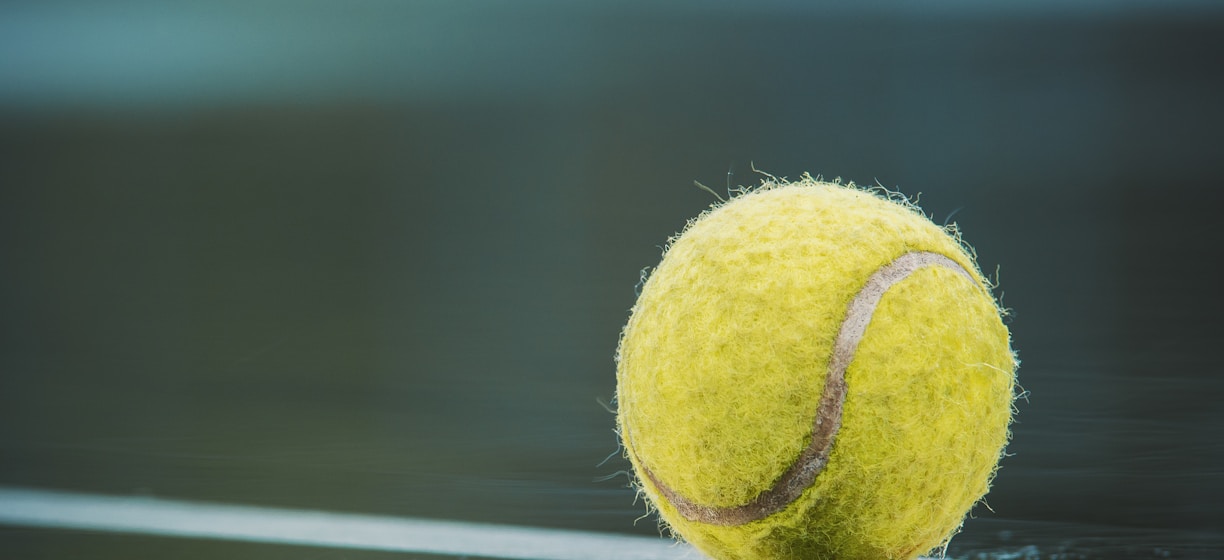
(814, 371)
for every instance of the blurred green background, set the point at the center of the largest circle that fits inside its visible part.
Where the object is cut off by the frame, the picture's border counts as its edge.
(374, 256)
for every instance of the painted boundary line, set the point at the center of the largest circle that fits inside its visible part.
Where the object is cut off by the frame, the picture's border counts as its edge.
(51, 509)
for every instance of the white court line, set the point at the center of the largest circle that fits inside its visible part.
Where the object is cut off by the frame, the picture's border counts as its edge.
(28, 507)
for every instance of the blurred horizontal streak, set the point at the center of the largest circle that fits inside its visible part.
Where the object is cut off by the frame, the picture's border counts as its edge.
(145, 54)
(170, 518)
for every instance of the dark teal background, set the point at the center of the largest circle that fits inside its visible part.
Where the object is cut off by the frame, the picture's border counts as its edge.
(374, 256)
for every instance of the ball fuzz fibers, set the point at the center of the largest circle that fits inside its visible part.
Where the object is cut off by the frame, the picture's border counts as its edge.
(814, 371)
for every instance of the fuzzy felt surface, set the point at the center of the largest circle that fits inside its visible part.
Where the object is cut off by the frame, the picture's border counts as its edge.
(724, 359)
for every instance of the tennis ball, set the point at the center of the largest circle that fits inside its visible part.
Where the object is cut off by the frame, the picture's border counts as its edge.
(814, 371)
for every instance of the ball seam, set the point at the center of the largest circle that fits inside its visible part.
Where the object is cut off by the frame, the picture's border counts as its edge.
(812, 460)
